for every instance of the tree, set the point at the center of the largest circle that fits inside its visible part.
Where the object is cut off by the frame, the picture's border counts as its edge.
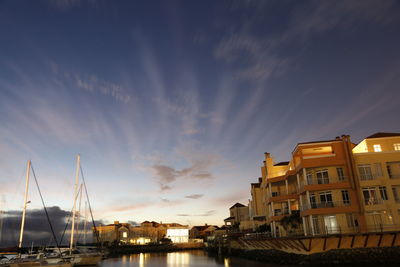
(292, 222)
(263, 228)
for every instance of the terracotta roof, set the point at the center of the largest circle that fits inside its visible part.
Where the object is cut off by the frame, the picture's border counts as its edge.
(237, 205)
(380, 135)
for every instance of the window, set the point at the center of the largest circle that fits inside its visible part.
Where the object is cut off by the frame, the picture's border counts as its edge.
(396, 146)
(389, 171)
(345, 197)
(340, 174)
(277, 212)
(275, 194)
(326, 199)
(322, 176)
(377, 148)
(396, 194)
(309, 178)
(365, 172)
(378, 169)
(313, 201)
(382, 190)
(124, 234)
(350, 220)
(369, 194)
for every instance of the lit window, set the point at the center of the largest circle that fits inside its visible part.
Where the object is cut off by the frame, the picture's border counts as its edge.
(396, 146)
(377, 148)
(124, 234)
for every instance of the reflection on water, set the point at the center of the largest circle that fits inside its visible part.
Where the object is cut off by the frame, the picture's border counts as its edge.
(183, 258)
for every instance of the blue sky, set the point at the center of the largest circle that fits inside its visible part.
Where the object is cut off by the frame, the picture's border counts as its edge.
(172, 104)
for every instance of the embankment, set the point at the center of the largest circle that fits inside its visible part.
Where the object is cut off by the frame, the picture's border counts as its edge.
(389, 256)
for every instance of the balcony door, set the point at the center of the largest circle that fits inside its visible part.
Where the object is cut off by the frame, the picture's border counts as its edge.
(325, 199)
(369, 194)
(322, 177)
(331, 224)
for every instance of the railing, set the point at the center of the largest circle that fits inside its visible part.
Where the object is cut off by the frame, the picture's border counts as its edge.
(282, 193)
(324, 180)
(368, 176)
(281, 212)
(251, 236)
(323, 205)
(372, 201)
(394, 176)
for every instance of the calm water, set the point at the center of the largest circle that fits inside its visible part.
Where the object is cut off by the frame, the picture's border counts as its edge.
(182, 258)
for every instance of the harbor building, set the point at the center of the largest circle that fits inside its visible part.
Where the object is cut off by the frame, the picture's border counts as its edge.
(330, 187)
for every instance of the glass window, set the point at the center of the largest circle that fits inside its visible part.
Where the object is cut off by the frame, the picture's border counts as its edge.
(396, 146)
(322, 176)
(396, 194)
(326, 199)
(309, 178)
(345, 197)
(313, 201)
(389, 171)
(340, 174)
(350, 220)
(378, 169)
(369, 194)
(365, 172)
(382, 190)
(377, 148)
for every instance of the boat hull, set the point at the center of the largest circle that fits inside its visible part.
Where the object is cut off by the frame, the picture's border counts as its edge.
(38, 263)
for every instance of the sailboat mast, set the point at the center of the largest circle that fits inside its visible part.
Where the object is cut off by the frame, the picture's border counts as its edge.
(84, 224)
(79, 213)
(78, 159)
(21, 234)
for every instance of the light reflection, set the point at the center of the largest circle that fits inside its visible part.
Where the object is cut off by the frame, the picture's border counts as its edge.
(178, 259)
(227, 262)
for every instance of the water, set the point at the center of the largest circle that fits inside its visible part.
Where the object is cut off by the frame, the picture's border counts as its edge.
(194, 258)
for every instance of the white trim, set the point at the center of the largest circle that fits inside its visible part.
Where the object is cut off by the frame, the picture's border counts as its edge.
(382, 152)
(319, 156)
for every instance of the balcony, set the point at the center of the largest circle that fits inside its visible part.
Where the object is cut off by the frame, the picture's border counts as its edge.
(279, 212)
(324, 180)
(368, 176)
(324, 205)
(394, 176)
(372, 201)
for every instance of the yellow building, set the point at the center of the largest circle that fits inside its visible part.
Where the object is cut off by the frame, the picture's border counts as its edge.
(333, 186)
(377, 159)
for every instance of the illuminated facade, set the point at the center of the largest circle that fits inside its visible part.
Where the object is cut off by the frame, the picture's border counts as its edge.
(331, 187)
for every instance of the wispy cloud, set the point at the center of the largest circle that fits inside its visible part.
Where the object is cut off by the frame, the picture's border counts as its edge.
(205, 214)
(194, 196)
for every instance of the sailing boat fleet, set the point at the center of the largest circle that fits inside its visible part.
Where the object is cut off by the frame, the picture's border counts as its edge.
(54, 257)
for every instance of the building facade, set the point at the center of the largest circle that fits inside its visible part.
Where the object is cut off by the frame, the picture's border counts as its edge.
(330, 187)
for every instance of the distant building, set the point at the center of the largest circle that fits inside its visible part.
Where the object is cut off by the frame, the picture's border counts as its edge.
(239, 214)
(202, 231)
(147, 232)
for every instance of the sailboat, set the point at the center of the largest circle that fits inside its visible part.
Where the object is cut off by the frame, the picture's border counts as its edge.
(39, 259)
(76, 256)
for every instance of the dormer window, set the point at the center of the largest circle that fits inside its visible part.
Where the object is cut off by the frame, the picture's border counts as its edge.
(377, 148)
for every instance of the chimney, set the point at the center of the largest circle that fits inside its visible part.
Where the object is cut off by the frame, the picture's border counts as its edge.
(116, 222)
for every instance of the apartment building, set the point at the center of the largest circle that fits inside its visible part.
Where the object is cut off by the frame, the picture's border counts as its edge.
(377, 159)
(318, 185)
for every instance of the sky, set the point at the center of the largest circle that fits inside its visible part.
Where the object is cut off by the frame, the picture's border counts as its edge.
(172, 104)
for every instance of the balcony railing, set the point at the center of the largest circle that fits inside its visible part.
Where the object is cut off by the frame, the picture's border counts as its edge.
(368, 176)
(323, 205)
(282, 193)
(324, 180)
(373, 201)
(394, 176)
(281, 212)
